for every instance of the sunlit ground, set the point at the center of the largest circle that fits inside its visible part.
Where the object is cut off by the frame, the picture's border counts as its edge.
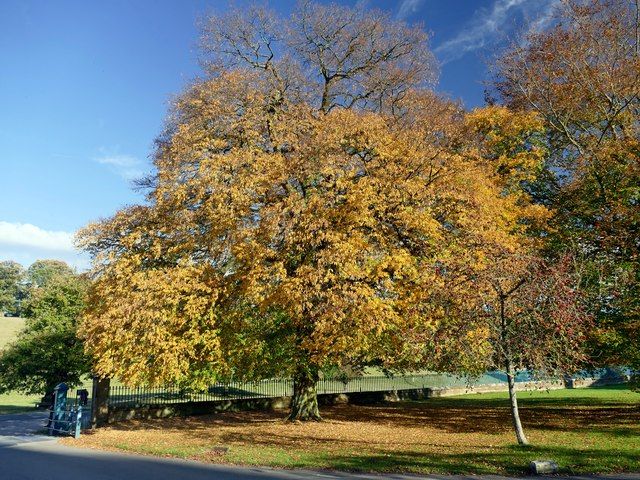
(584, 430)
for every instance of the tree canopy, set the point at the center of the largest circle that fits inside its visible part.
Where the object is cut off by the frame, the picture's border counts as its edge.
(42, 272)
(327, 56)
(11, 278)
(582, 77)
(316, 205)
(48, 350)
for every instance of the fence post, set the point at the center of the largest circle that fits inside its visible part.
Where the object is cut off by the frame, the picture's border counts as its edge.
(100, 401)
(78, 424)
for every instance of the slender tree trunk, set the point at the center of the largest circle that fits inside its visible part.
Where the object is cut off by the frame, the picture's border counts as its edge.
(637, 27)
(515, 414)
(304, 404)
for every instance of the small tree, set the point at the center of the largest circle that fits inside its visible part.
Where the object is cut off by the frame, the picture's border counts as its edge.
(530, 310)
(534, 319)
(48, 350)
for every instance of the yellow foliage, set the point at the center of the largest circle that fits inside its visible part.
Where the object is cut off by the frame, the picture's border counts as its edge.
(347, 236)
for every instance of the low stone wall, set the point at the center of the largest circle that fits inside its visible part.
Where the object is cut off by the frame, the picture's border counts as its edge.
(596, 382)
(119, 414)
(499, 387)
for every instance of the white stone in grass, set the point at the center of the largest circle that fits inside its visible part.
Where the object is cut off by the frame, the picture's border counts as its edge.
(543, 466)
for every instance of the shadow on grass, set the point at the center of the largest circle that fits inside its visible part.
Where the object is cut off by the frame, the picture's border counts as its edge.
(452, 415)
(618, 421)
(9, 409)
(512, 460)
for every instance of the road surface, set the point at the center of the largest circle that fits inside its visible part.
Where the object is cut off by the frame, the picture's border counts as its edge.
(22, 428)
(25, 455)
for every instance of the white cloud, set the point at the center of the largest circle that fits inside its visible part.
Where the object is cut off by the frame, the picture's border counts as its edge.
(126, 166)
(489, 25)
(408, 8)
(32, 236)
(26, 243)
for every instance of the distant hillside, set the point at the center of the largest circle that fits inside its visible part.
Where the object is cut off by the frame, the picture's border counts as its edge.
(9, 328)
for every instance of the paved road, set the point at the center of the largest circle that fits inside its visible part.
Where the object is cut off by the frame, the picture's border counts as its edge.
(25, 455)
(22, 428)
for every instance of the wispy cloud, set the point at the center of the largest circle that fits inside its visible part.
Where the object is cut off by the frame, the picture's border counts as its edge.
(126, 166)
(25, 243)
(408, 8)
(546, 17)
(490, 25)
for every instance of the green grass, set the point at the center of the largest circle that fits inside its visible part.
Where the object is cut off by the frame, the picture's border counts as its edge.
(588, 430)
(609, 395)
(16, 403)
(9, 328)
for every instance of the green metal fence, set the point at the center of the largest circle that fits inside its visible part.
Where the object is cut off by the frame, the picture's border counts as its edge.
(168, 394)
(153, 396)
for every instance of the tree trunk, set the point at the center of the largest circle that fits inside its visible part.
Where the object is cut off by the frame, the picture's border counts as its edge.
(515, 415)
(47, 399)
(304, 404)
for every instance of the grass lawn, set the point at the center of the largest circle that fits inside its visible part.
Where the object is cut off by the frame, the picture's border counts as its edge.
(9, 328)
(13, 402)
(17, 403)
(584, 430)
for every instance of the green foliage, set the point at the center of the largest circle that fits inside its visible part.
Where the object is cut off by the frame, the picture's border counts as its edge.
(591, 112)
(41, 272)
(41, 358)
(11, 276)
(62, 296)
(48, 351)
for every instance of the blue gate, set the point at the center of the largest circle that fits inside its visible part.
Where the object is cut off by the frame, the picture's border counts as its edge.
(69, 416)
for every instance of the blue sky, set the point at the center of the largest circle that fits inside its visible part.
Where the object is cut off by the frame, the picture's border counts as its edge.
(84, 87)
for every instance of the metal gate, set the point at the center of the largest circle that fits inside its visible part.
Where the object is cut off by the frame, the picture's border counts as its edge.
(69, 414)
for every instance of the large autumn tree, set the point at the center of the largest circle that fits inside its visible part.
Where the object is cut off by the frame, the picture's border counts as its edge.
(582, 76)
(312, 207)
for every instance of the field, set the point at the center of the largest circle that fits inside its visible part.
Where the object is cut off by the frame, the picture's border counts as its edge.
(584, 430)
(13, 402)
(9, 328)
(17, 402)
